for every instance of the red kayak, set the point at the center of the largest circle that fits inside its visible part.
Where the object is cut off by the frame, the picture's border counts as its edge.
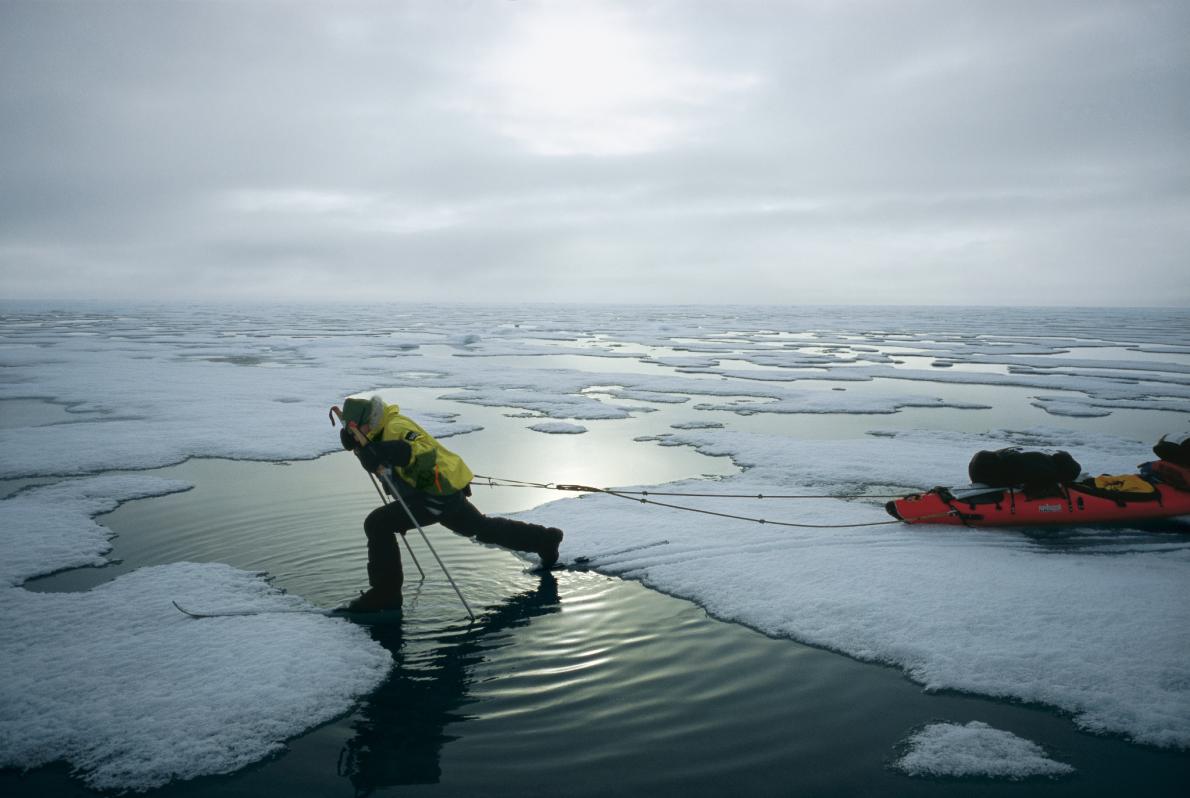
(1160, 490)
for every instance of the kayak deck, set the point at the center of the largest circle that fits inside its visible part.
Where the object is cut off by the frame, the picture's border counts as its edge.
(1065, 503)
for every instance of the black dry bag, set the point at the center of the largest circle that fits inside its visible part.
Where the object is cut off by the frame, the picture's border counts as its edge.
(1006, 467)
(1176, 451)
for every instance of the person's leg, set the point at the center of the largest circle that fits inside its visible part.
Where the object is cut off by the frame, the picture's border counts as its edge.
(464, 518)
(385, 575)
(384, 555)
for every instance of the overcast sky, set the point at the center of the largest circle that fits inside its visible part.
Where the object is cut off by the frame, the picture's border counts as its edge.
(803, 151)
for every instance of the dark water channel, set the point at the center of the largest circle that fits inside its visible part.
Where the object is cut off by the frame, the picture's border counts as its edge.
(571, 683)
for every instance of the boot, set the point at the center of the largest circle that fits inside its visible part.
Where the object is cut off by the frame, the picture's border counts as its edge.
(385, 577)
(376, 599)
(520, 536)
(547, 547)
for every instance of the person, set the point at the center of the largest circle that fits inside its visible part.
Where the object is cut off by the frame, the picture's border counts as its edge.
(435, 484)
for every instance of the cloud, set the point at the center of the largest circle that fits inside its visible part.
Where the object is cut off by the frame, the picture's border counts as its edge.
(668, 151)
(587, 79)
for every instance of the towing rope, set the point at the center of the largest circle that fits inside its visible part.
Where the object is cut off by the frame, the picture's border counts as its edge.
(632, 495)
(504, 482)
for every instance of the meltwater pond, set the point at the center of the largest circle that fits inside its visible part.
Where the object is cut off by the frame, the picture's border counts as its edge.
(569, 683)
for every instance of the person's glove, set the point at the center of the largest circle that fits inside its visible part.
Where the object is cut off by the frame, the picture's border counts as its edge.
(347, 439)
(370, 458)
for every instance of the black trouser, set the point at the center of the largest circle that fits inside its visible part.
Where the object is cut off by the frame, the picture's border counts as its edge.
(455, 513)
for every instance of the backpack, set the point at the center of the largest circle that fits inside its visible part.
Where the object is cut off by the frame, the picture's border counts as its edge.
(1176, 451)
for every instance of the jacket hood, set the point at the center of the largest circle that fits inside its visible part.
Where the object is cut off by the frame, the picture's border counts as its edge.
(372, 411)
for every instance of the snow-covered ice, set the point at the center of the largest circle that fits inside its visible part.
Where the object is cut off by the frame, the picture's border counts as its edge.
(1095, 624)
(133, 694)
(976, 749)
(51, 528)
(558, 428)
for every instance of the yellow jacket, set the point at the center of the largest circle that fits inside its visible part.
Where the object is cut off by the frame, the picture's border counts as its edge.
(432, 468)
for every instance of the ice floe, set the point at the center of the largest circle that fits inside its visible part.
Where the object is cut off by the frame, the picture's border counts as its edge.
(564, 406)
(51, 528)
(558, 428)
(133, 694)
(975, 749)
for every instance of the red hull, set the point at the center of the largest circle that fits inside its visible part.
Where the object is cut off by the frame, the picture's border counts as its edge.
(1073, 503)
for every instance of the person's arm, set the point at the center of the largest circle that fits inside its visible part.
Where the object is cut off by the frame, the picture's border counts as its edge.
(389, 453)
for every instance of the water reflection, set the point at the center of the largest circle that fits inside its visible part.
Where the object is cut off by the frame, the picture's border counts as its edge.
(400, 733)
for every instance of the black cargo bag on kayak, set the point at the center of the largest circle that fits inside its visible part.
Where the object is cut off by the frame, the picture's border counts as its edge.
(1006, 467)
(1176, 451)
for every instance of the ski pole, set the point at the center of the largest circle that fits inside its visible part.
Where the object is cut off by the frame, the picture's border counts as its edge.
(362, 440)
(384, 500)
